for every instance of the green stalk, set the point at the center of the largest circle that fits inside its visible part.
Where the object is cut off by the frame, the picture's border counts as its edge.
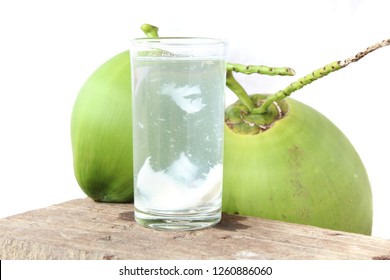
(239, 91)
(300, 83)
(260, 69)
(150, 31)
(315, 75)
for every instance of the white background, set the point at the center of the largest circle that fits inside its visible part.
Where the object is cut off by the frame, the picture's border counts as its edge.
(49, 48)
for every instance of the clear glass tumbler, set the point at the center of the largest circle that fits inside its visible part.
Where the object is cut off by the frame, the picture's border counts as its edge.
(178, 117)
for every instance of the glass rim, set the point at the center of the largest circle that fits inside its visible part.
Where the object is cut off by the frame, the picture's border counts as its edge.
(179, 41)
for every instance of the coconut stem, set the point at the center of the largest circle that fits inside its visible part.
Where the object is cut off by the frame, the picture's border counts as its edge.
(239, 91)
(316, 74)
(150, 30)
(363, 53)
(260, 69)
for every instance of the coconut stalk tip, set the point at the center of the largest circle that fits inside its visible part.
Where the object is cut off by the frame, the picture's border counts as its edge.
(150, 31)
(363, 53)
(317, 74)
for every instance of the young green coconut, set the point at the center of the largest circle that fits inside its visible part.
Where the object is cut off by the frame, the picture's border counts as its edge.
(101, 133)
(286, 161)
(283, 160)
(300, 168)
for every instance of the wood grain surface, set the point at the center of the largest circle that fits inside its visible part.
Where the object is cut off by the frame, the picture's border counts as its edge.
(84, 229)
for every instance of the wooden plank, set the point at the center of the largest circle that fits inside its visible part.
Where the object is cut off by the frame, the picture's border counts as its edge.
(84, 229)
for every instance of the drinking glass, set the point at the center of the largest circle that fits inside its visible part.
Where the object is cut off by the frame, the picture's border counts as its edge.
(178, 121)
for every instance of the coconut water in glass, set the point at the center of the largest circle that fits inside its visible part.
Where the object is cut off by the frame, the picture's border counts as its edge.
(178, 118)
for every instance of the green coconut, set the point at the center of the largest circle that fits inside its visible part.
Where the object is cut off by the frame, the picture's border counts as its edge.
(301, 168)
(286, 161)
(101, 132)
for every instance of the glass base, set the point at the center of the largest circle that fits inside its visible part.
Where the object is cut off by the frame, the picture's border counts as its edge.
(172, 221)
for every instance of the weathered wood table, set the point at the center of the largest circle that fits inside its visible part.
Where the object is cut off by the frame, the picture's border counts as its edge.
(84, 229)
